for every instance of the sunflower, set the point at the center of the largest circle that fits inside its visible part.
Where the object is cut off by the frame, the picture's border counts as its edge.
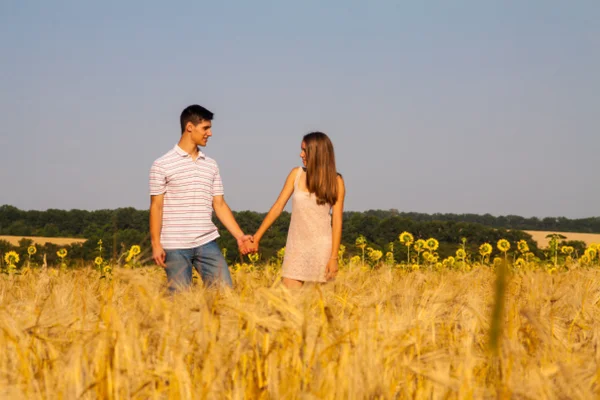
(31, 250)
(485, 249)
(135, 250)
(566, 250)
(281, 251)
(355, 260)
(11, 258)
(361, 242)
(98, 261)
(406, 238)
(520, 262)
(389, 257)
(450, 261)
(253, 257)
(503, 245)
(591, 253)
(375, 255)
(420, 245)
(522, 246)
(595, 246)
(415, 267)
(62, 253)
(584, 259)
(432, 244)
(461, 254)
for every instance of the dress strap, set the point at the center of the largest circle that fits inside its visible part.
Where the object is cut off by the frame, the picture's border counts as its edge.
(297, 177)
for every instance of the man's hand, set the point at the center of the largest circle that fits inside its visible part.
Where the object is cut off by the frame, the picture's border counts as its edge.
(246, 244)
(159, 255)
(332, 269)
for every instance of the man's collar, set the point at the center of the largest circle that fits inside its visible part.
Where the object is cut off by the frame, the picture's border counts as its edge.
(183, 153)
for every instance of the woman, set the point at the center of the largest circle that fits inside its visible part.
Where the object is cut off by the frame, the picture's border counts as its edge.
(315, 233)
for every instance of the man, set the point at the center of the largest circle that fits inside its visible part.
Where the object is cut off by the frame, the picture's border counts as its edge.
(185, 188)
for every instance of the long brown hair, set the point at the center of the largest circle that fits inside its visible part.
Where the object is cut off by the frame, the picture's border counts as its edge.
(321, 174)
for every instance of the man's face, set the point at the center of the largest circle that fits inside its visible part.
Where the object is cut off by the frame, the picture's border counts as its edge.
(201, 132)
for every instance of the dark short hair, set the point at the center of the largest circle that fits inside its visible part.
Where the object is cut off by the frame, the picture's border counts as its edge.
(194, 114)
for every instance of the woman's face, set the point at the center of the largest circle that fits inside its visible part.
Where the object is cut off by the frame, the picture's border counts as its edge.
(303, 153)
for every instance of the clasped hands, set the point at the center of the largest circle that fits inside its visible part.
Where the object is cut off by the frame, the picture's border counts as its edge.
(247, 244)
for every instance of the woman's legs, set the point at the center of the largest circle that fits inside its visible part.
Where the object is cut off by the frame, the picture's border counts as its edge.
(292, 283)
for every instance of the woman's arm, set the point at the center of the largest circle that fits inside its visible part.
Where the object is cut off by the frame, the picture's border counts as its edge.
(338, 214)
(336, 230)
(277, 208)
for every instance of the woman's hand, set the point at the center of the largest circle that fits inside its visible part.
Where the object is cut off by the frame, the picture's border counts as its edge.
(251, 246)
(332, 269)
(254, 246)
(245, 244)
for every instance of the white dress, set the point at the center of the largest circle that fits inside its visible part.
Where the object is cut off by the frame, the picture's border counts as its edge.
(308, 246)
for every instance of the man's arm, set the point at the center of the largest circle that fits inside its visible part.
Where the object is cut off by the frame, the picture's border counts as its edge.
(226, 217)
(156, 213)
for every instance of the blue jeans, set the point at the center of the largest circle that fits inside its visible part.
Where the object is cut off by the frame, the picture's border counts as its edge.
(208, 261)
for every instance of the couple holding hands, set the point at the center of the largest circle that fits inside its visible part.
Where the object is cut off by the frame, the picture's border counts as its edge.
(186, 187)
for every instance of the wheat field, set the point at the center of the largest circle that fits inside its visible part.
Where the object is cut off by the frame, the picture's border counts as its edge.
(383, 333)
(40, 240)
(542, 240)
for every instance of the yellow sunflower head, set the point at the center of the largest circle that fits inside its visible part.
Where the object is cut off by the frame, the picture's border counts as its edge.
(503, 245)
(406, 238)
(375, 255)
(522, 246)
(62, 253)
(135, 250)
(485, 249)
(584, 259)
(281, 252)
(11, 258)
(420, 245)
(591, 253)
(461, 254)
(361, 242)
(98, 261)
(389, 257)
(31, 250)
(520, 263)
(566, 250)
(432, 244)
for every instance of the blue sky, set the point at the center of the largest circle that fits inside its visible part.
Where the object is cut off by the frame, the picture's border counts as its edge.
(463, 107)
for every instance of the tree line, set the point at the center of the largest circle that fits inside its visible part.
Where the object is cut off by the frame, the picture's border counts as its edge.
(121, 228)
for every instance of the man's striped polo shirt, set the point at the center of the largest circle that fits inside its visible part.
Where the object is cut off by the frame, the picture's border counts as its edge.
(189, 187)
